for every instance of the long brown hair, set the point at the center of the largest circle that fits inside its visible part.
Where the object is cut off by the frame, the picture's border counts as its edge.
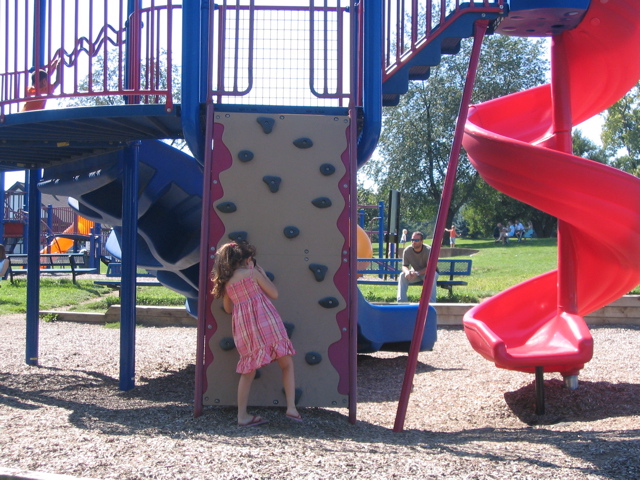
(229, 258)
(2, 252)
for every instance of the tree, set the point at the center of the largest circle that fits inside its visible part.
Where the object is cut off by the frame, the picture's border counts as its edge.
(417, 135)
(114, 72)
(621, 132)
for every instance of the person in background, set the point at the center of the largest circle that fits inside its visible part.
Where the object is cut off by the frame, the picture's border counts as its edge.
(4, 262)
(519, 230)
(452, 235)
(403, 238)
(414, 267)
(44, 86)
(497, 232)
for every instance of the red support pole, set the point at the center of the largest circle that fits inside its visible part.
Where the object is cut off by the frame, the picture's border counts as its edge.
(445, 201)
(563, 141)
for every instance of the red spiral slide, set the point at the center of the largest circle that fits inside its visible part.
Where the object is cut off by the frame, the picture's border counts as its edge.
(513, 142)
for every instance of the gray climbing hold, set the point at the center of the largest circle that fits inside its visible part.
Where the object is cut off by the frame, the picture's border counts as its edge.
(303, 142)
(329, 302)
(319, 271)
(313, 358)
(227, 207)
(289, 327)
(291, 231)
(227, 343)
(239, 236)
(272, 182)
(245, 156)
(327, 169)
(321, 202)
(266, 123)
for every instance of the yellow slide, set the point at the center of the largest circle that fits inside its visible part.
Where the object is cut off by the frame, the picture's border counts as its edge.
(61, 244)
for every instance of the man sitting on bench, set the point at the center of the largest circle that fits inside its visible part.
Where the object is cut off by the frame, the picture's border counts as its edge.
(414, 266)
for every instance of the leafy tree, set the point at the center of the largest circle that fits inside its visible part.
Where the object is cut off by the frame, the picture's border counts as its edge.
(417, 135)
(115, 76)
(585, 148)
(621, 132)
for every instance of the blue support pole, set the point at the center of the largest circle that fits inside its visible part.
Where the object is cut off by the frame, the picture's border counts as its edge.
(194, 71)
(129, 259)
(95, 246)
(372, 78)
(2, 201)
(49, 235)
(381, 229)
(33, 266)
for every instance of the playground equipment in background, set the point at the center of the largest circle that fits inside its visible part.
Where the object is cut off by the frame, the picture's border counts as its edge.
(79, 231)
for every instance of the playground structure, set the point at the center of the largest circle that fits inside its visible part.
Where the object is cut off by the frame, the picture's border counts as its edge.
(278, 149)
(62, 229)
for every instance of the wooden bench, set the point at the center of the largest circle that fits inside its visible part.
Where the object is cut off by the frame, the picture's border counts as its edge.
(53, 263)
(117, 284)
(388, 269)
(114, 269)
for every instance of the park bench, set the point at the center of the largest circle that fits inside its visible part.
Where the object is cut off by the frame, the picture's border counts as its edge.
(385, 271)
(52, 263)
(114, 269)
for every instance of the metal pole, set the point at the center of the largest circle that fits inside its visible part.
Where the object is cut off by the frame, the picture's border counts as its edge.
(539, 390)
(562, 126)
(206, 253)
(33, 267)
(2, 200)
(447, 193)
(372, 77)
(129, 259)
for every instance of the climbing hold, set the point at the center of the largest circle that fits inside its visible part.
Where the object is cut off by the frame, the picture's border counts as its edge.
(291, 232)
(329, 302)
(227, 207)
(322, 202)
(289, 327)
(327, 169)
(297, 398)
(245, 156)
(303, 142)
(272, 182)
(227, 343)
(319, 271)
(266, 123)
(270, 275)
(238, 236)
(313, 358)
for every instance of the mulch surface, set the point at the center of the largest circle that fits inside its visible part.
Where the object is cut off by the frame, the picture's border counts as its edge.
(466, 418)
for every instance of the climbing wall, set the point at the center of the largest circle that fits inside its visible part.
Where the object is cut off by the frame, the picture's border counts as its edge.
(282, 183)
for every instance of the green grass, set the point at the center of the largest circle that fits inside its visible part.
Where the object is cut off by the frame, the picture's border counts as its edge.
(495, 268)
(83, 296)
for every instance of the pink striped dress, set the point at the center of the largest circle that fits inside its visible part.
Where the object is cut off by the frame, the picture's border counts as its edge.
(258, 331)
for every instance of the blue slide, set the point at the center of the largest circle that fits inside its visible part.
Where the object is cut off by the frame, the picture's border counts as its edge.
(169, 208)
(169, 212)
(390, 327)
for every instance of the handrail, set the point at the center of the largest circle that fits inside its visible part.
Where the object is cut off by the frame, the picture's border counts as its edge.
(402, 43)
(88, 40)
